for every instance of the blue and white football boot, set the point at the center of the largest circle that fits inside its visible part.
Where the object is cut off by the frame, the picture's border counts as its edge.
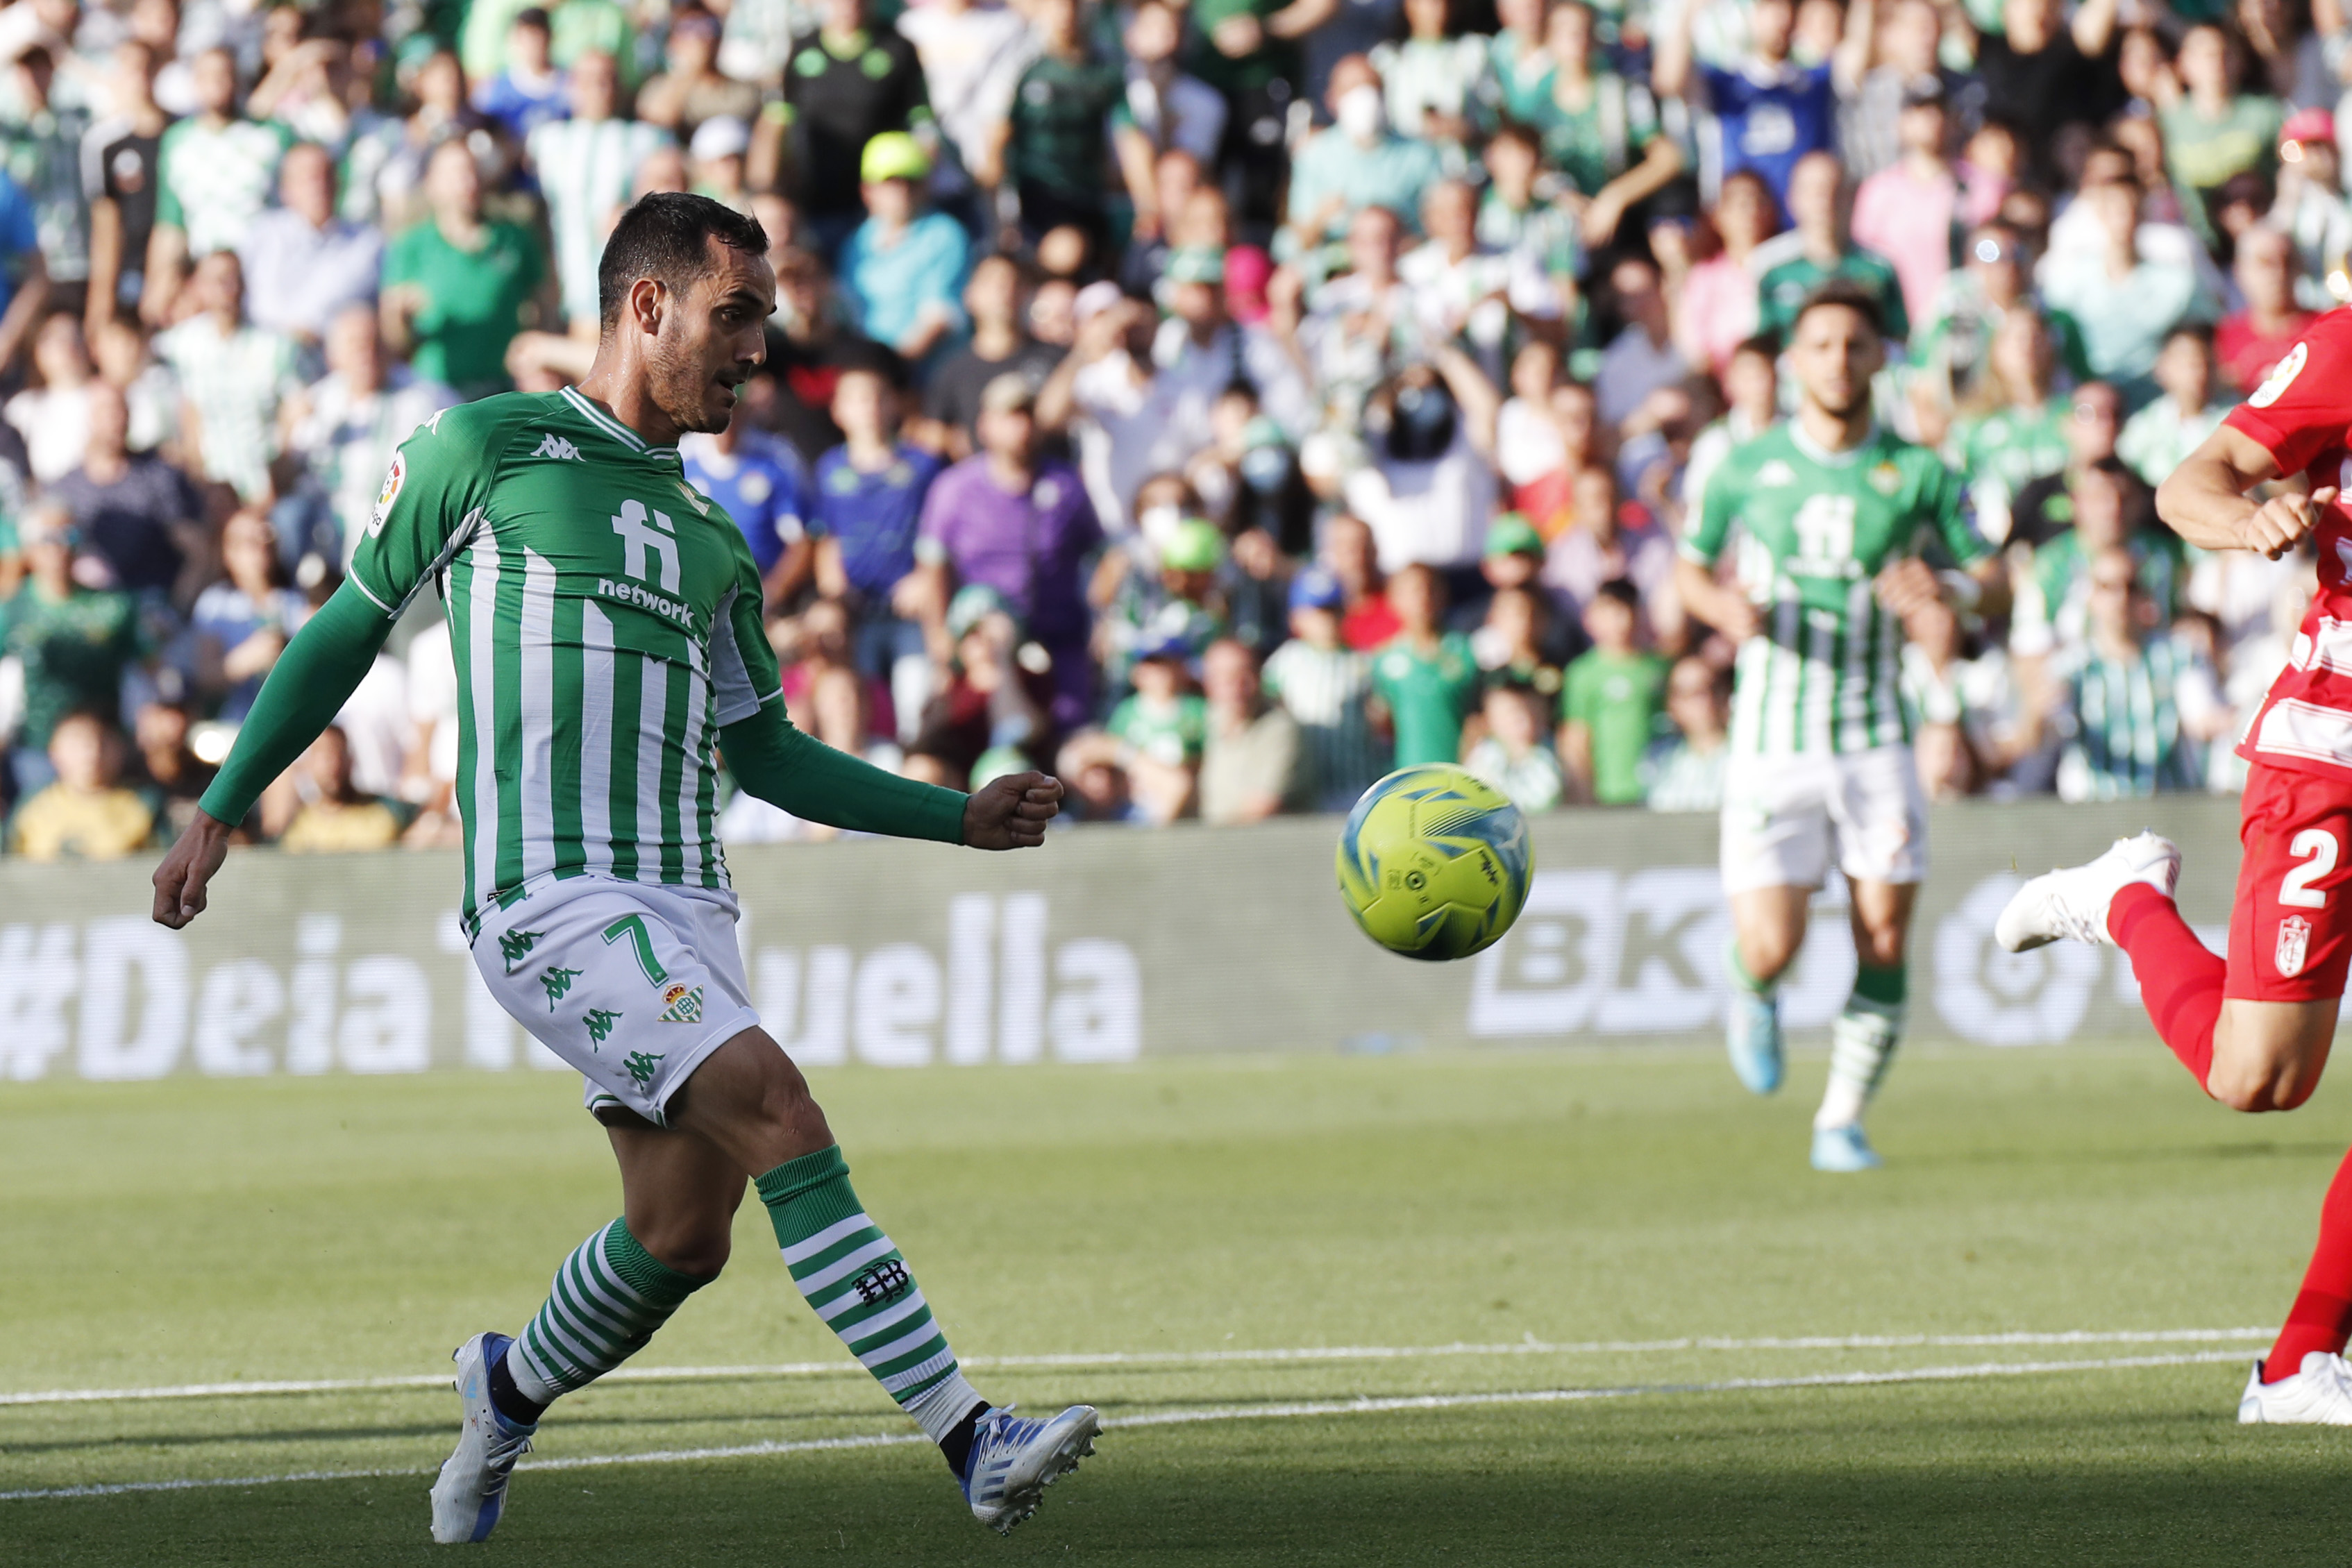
(471, 1490)
(1014, 1459)
(1752, 1035)
(1844, 1149)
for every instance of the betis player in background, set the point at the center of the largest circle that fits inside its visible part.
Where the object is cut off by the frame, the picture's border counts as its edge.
(605, 620)
(1829, 513)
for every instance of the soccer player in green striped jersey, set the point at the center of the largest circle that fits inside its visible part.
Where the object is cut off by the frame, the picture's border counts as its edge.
(606, 622)
(1828, 515)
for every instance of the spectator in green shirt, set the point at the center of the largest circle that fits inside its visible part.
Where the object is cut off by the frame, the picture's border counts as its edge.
(1055, 142)
(1162, 729)
(2212, 131)
(1611, 701)
(455, 286)
(75, 643)
(1425, 676)
(1817, 248)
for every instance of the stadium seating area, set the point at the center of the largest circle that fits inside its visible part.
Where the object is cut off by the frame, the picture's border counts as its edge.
(1213, 404)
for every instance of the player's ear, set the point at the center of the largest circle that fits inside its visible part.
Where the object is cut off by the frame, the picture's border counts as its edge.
(647, 298)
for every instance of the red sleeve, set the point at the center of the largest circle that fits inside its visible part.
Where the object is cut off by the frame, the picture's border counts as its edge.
(2305, 406)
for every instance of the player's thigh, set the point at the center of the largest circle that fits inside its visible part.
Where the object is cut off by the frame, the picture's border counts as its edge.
(679, 1193)
(1775, 824)
(1878, 816)
(633, 986)
(2290, 939)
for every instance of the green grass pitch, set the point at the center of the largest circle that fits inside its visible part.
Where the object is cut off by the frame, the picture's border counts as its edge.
(1163, 1218)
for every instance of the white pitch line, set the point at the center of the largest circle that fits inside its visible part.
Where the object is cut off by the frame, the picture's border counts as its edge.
(1290, 1411)
(1121, 1358)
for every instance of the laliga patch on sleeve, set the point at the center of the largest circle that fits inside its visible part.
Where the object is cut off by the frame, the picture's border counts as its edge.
(2282, 377)
(385, 497)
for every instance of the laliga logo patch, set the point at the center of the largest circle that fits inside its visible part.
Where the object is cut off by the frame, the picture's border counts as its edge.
(2280, 378)
(2293, 940)
(385, 497)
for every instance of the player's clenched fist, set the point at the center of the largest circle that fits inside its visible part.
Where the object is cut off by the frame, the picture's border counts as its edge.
(1011, 812)
(2279, 524)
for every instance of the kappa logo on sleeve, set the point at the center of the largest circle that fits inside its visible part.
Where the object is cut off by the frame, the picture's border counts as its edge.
(385, 497)
(2282, 377)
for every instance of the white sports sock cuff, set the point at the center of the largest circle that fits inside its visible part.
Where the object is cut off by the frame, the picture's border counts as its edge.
(938, 1409)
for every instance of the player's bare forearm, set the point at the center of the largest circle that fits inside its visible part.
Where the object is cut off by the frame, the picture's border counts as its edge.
(2205, 499)
(1708, 600)
(188, 869)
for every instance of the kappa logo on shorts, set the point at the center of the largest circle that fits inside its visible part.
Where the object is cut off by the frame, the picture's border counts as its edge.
(514, 947)
(885, 1281)
(681, 1005)
(2294, 942)
(600, 1022)
(559, 984)
(642, 1065)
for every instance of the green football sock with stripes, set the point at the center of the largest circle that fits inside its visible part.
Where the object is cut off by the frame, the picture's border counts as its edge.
(1862, 1042)
(854, 1277)
(609, 1297)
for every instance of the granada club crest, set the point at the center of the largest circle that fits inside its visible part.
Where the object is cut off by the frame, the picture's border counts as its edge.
(2294, 941)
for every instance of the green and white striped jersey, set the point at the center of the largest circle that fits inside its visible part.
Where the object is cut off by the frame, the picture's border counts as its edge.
(1813, 528)
(605, 621)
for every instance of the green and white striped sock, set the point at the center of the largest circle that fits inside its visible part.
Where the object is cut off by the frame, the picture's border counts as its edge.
(855, 1277)
(609, 1297)
(1861, 1044)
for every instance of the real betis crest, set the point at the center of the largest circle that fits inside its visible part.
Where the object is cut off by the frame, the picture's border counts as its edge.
(682, 1005)
(1887, 478)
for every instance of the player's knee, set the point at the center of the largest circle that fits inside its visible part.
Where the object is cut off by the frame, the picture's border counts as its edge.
(1765, 954)
(1880, 948)
(2257, 1086)
(699, 1246)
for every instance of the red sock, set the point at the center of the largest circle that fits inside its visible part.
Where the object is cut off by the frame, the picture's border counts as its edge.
(2323, 1308)
(2180, 978)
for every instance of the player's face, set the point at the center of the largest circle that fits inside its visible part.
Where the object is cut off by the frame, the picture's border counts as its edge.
(709, 346)
(1835, 353)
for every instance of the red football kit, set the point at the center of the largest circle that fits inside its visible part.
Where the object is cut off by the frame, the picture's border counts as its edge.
(2291, 925)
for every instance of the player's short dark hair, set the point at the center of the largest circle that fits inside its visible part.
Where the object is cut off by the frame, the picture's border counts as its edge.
(1844, 294)
(666, 236)
(1620, 589)
(1763, 345)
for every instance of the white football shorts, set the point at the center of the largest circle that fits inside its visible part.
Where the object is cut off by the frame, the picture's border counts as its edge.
(1783, 816)
(633, 985)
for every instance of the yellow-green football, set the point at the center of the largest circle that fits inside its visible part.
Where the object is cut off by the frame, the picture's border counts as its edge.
(1433, 864)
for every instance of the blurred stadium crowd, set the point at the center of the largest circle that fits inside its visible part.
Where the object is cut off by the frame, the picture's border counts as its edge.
(1214, 403)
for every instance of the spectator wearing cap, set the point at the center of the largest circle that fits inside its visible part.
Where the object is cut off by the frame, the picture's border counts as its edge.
(85, 813)
(759, 481)
(302, 263)
(2213, 130)
(1904, 212)
(845, 85)
(213, 172)
(2258, 335)
(1161, 726)
(1177, 603)
(1817, 248)
(1050, 150)
(720, 145)
(693, 91)
(1358, 162)
(1512, 556)
(1251, 764)
(1005, 519)
(1610, 700)
(455, 285)
(586, 165)
(1772, 111)
(902, 271)
(2311, 208)
(1326, 688)
(74, 642)
(999, 345)
(530, 91)
(865, 509)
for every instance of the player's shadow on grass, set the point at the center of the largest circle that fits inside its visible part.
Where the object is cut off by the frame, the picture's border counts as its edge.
(2134, 1155)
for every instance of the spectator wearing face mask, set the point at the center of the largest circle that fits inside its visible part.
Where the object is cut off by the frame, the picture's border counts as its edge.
(1358, 162)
